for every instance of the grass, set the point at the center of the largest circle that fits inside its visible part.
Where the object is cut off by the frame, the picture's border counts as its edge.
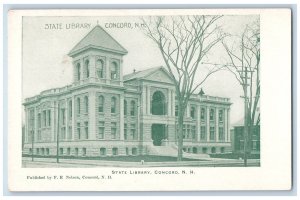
(138, 158)
(234, 156)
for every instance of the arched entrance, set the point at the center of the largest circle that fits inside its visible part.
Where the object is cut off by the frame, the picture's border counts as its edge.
(158, 103)
(157, 134)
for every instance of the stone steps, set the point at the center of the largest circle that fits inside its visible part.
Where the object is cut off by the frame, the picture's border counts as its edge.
(173, 152)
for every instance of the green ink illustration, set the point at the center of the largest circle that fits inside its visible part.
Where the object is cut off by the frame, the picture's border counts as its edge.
(141, 91)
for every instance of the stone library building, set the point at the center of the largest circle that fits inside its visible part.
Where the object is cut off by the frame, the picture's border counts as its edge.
(105, 113)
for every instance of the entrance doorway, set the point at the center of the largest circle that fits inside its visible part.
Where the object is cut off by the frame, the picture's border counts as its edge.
(157, 133)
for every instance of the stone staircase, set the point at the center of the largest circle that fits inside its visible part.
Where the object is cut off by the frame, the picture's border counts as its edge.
(173, 152)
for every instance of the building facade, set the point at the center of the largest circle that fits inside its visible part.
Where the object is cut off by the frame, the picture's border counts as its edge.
(103, 113)
(238, 140)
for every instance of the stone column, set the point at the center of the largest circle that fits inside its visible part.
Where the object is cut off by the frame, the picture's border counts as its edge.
(225, 126)
(198, 122)
(92, 115)
(207, 124)
(81, 69)
(217, 124)
(144, 99)
(73, 118)
(53, 124)
(107, 71)
(188, 108)
(169, 102)
(122, 116)
(148, 101)
(228, 125)
(26, 126)
(67, 119)
(92, 67)
(172, 103)
(35, 123)
(121, 72)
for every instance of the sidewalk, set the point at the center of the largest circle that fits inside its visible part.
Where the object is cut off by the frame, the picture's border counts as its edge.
(69, 163)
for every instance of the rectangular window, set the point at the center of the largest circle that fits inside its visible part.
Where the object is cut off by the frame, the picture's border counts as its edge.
(254, 145)
(39, 136)
(101, 130)
(202, 114)
(211, 114)
(49, 117)
(70, 109)
(39, 121)
(132, 132)
(78, 131)
(63, 116)
(242, 145)
(192, 112)
(221, 134)
(86, 130)
(193, 132)
(83, 151)
(176, 110)
(44, 118)
(70, 132)
(220, 115)
(184, 131)
(63, 133)
(211, 133)
(188, 132)
(113, 130)
(125, 132)
(203, 133)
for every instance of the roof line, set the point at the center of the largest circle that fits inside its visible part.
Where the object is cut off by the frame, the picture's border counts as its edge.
(111, 37)
(70, 53)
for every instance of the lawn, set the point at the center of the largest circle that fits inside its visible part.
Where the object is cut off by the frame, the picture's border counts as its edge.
(138, 158)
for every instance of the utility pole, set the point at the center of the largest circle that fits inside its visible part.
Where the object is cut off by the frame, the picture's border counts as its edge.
(244, 76)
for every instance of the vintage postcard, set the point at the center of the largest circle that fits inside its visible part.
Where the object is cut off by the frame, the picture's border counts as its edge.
(149, 100)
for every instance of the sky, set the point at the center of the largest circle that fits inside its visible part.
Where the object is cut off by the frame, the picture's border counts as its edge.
(48, 40)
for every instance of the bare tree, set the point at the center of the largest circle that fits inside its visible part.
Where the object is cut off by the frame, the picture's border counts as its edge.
(183, 42)
(244, 63)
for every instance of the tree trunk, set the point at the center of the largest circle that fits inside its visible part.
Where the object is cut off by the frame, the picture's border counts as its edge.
(181, 110)
(180, 137)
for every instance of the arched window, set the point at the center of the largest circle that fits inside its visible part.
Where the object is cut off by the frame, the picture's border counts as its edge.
(193, 110)
(78, 105)
(125, 107)
(87, 70)
(101, 104)
(114, 71)
(100, 68)
(113, 105)
(132, 108)
(158, 103)
(78, 71)
(86, 104)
